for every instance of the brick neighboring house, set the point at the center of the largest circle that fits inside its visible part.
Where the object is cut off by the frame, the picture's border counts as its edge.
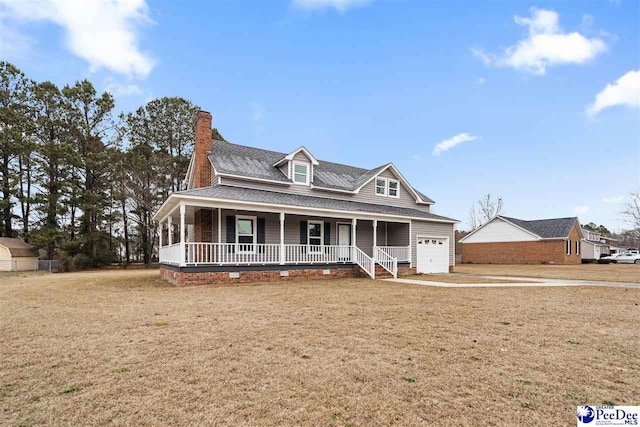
(505, 240)
(250, 214)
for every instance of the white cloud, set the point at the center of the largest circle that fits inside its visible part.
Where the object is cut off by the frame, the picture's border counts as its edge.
(546, 45)
(257, 112)
(613, 199)
(452, 142)
(581, 210)
(121, 90)
(339, 5)
(625, 91)
(103, 32)
(481, 80)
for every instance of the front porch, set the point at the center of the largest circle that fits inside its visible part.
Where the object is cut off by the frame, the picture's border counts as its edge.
(195, 236)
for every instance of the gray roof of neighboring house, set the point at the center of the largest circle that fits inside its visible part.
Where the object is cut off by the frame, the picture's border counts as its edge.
(18, 248)
(254, 162)
(554, 228)
(227, 192)
(596, 242)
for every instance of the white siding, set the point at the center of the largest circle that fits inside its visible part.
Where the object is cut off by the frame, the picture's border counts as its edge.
(499, 230)
(588, 250)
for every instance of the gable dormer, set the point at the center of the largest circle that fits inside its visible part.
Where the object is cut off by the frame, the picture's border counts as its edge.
(298, 166)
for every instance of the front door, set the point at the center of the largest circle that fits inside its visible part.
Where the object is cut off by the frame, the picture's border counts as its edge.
(344, 239)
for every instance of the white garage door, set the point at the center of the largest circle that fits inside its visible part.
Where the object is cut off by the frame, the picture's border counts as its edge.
(432, 255)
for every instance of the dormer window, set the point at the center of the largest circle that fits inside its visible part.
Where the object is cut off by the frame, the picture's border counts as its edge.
(394, 188)
(381, 186)
(301, 173)
(387, 187)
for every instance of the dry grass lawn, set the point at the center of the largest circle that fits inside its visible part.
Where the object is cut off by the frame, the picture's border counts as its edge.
(604, 272)
(447, 278)
(126, 348)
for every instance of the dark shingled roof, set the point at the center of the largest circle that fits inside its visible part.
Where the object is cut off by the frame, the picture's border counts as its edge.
(18, 248)
(254, 162)
(554, 228)
(227, 192)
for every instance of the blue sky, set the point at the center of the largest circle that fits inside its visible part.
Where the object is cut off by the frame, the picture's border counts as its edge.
(533, 101)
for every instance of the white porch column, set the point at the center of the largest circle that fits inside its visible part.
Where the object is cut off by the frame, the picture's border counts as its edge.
(170, 225)
(282, 249)
(183, 211)
(375, 236)
(354, 223)
(161, 232)
(219, 225)
(410, 246)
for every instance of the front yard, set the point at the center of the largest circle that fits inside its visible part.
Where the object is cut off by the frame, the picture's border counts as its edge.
(127, 348)
(604, 272)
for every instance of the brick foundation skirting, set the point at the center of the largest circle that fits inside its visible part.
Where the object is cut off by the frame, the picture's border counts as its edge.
(212, 275)
(185, 277)
(405, 270)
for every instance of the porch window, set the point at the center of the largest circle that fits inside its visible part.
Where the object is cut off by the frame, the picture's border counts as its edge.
(381, 186)
(246, 233)
(394, 188)
(315, 235)
(568, 247)
(577, 247)
(301, 173)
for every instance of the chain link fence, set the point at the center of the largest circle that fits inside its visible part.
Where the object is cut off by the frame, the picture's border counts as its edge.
(50, 265)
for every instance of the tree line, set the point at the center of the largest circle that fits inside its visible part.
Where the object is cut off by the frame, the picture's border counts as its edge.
(80, 181)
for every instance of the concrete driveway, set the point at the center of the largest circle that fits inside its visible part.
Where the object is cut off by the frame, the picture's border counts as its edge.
(515, 282)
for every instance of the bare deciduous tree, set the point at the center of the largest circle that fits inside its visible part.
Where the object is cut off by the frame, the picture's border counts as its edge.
(631, 213)
(486, 209)
(473, 218)
(632, 210)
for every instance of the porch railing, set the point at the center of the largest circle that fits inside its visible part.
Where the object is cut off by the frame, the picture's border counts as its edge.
(364, 261)
(316, 254)
(399, 252)
(170, 254)
(263, 254)
(387, 262)
(232, 253)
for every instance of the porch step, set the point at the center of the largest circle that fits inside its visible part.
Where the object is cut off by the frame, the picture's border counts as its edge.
(381, 273)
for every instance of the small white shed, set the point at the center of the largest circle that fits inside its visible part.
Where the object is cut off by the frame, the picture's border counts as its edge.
(16, 255)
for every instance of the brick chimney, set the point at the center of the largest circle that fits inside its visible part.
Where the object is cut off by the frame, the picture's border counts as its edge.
(203, 145)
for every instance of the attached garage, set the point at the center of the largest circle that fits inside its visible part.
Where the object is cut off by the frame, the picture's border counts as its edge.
(432, 254)
(16, 255)
(426, 257)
